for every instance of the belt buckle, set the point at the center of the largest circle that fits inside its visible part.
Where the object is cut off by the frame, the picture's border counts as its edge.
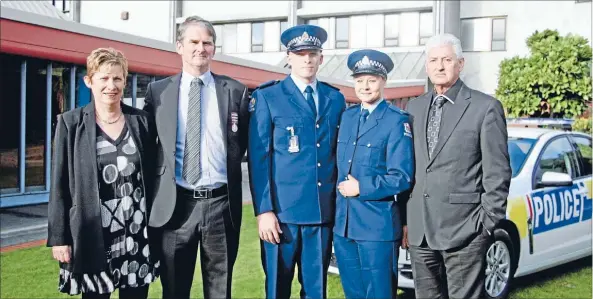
(202, 193)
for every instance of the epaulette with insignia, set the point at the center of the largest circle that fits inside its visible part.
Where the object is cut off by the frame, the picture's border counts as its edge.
(329, 85)
(353, 106)
(267, 84)
(398, 110)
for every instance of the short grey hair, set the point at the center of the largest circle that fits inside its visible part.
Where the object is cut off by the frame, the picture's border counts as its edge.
(443, 40)
(195, 20)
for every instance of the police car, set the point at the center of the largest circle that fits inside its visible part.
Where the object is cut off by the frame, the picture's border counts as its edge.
(548, 217)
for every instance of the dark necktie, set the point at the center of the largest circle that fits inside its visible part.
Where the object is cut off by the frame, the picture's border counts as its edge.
(192, 168)
(434, 124)
(364, 114)
(310, 100)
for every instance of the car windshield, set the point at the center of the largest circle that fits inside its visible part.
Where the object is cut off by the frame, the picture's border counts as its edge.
(518, 150)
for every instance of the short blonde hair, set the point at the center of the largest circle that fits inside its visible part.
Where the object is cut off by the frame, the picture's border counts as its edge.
(102, 56)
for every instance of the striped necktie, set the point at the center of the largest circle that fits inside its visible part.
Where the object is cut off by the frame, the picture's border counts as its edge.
(192, 166)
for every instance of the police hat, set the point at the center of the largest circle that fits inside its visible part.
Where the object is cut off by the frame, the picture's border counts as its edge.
(303, 37)
(371, 62)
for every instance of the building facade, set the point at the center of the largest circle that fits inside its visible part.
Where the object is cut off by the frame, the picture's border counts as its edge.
(43, 56)
(490, 30)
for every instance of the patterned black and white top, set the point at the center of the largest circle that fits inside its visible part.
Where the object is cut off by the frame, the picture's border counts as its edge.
(123, 214)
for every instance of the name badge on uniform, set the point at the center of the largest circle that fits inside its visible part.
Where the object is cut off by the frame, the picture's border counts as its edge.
(293, 143)
(234, 122)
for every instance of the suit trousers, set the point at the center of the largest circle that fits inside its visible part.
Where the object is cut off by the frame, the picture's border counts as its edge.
(204, 224)
(308, 246)
(454, 273)
(368, 269)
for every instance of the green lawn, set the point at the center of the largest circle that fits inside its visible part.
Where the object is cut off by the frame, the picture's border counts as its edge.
(31, 273)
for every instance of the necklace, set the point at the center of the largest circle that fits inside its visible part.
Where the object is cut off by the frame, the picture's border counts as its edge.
(107, 121)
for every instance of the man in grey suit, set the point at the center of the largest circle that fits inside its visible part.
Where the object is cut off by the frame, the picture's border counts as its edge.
(202, 120)
(462, 178)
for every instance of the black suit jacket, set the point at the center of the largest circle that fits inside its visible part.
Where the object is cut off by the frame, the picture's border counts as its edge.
(74, 215)
(464, 186)
(161, 101)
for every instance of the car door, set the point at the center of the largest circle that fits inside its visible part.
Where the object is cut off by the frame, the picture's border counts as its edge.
(583, 146)
(556, 209)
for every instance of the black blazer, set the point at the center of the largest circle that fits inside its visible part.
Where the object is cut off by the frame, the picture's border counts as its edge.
(161, 101)
(74, 216)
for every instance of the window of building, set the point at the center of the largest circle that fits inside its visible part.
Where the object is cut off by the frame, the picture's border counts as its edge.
(312, 21)
(283, 27)
(257, 37)
(229, 34)
(62, 5)
(83, 94)
(499, 34)
(142, 82)
(219, 39)
(60, 92)
(10, 117)
(342, 33)
(391, 30)
(35, 124)
(426, 27)
(127, 96)
(483, 34)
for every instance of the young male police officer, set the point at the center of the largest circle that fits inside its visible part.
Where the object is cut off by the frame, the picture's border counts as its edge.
(375, 162)
(292, 142)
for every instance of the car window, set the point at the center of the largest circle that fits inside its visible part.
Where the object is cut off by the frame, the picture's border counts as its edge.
(557, 156)
(518, 150)
(584, 148)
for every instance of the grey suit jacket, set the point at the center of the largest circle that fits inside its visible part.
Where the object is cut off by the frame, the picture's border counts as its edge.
(464, 186)
(161, 101)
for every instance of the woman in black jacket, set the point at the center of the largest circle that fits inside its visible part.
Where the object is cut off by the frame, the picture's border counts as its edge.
(99, 204)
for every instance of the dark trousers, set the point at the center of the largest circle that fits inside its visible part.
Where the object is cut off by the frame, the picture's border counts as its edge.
(368, 269)
(309, 247)
(203, 223)
(454, 273)
(127, 293)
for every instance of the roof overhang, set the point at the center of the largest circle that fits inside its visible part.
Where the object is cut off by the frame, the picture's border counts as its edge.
(34, 35)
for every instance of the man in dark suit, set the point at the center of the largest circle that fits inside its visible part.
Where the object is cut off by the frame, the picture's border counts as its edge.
(462, 178)
(202, 121)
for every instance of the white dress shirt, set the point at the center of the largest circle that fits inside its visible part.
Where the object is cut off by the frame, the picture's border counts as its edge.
(212, 153)
(302, 85)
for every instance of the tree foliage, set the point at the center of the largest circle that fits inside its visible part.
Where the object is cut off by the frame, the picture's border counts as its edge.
(558, 71)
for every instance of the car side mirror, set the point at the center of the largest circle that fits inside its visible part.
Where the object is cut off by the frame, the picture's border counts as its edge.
(554, 179)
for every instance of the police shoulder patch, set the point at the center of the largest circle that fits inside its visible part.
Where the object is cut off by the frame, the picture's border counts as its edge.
(252, 104)
(407, 129)
(267, 84)
(329, 85)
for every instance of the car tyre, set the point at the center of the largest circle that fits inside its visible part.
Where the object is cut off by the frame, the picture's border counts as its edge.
(500, 266)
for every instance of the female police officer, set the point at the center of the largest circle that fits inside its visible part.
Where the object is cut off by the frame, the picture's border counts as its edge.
(375, 162)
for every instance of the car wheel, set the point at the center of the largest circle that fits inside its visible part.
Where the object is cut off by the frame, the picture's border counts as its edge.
(333, 264)
(500, 266)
